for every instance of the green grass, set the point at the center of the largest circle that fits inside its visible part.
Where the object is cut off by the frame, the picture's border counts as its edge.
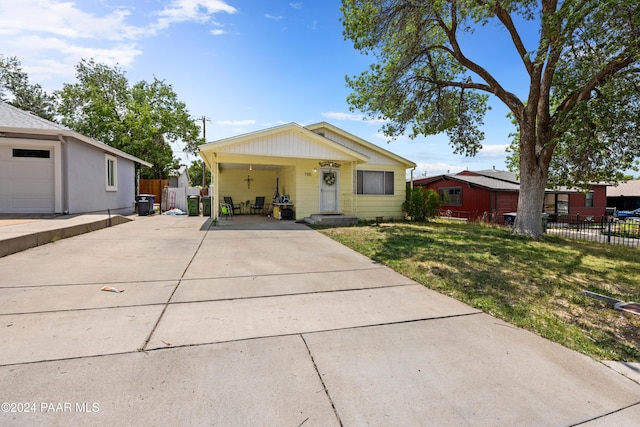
(534, 284)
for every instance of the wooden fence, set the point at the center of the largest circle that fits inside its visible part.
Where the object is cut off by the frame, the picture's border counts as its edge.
(153, 186)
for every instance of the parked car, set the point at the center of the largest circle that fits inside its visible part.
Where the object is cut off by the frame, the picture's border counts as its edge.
(628, 214)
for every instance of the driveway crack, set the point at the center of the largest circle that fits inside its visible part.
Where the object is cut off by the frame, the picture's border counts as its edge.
(166, 305)
(324, 386)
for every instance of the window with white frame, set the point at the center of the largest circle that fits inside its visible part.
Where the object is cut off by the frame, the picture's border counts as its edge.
(111, 173)
(375, 183)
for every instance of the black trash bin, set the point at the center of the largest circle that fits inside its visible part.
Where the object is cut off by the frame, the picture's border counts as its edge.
(145, 204)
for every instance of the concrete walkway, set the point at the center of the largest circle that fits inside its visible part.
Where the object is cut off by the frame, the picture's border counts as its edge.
(262, 322)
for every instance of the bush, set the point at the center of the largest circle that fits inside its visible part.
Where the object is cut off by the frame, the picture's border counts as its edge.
(421, 203)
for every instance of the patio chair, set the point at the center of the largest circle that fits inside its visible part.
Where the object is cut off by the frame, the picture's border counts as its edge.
(258, 205)
(234, 208)
(226, 210)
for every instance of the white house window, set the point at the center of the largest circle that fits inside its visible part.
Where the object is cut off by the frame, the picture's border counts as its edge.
(111, 164)
(375, 183)
(450, 196)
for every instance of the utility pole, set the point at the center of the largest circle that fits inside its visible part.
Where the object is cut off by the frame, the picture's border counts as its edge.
(204, 119)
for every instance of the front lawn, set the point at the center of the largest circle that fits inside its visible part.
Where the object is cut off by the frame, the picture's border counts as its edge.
(534, 284)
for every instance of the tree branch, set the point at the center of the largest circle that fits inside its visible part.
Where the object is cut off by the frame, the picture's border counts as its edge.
(624, 59)
(495, 88)
(506, 20)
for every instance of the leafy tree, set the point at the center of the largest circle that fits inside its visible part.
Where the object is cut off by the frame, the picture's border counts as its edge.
(16, 90)
(141, 120)
(581, 113)
(195, 174)
(421, 203)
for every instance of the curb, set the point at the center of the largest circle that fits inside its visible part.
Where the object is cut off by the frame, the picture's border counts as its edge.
(39, 238)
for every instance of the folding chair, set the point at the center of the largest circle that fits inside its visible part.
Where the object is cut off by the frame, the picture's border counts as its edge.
(226, 209)
(234, 208)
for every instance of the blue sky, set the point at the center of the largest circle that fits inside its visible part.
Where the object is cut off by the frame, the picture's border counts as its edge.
(244, 64)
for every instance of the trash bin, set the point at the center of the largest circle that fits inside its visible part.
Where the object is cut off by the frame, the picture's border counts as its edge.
(545, 221)
(509, 218)
(206, 205)
(145, 204)
(193, 205)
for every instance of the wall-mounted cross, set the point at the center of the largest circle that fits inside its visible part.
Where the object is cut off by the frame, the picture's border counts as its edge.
(249, 179)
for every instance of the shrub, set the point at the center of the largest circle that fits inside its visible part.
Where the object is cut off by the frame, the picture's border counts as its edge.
(421, 203)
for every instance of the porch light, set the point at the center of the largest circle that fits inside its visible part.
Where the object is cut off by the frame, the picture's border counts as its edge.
(315, 170)
(250, 167)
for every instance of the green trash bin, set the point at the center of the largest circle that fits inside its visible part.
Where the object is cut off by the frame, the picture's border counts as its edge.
(206, 205)
(545, 221)
(193, 205)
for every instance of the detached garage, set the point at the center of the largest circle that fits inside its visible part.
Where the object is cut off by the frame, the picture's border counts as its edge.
(47, 168)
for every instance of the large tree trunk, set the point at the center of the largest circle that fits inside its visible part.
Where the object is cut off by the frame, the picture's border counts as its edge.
(534, 169)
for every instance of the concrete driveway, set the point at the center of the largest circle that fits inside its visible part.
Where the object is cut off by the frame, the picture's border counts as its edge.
(264, 322)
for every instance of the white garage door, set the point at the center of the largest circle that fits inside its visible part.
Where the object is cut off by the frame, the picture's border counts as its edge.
(26, 179)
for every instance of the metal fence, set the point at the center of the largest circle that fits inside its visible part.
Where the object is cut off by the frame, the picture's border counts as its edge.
(596, 228)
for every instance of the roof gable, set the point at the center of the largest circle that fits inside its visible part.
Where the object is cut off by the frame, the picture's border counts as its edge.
(291, 140)
(358, 144)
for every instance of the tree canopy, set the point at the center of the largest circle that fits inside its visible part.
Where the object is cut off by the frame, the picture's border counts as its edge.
(141, 120)
(16, 90)
(579, 120)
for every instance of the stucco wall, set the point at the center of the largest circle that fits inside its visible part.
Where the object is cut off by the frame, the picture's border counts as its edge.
(85, 175)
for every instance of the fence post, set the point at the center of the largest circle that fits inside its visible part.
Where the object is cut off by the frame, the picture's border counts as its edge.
(609, 230)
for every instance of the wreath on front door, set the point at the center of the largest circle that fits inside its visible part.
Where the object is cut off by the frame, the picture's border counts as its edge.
(329, 178)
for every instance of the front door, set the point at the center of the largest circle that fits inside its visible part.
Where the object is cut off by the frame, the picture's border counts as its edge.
(329, 184)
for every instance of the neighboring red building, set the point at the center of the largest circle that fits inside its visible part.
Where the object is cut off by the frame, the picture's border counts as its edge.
(489, 194)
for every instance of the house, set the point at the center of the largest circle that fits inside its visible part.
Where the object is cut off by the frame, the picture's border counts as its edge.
(320, 169)
(490, 194)
(625, 196)
(474, 195)
(181, 179)
(47, 168)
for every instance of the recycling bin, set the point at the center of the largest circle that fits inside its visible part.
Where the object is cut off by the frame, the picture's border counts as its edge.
(206, 205)
(193, 205)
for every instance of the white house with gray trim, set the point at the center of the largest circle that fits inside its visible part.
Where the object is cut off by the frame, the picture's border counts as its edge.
(47, 168)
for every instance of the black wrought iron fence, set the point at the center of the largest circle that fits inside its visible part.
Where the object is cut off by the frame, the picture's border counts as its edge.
(596, 228)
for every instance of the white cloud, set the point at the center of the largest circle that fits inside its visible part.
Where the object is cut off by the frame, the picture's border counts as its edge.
(235, 122)
(275, 18)
(50, 37)
(497, 151)
(333, 115)
(296, 5)
(438, 168)
(192, 11)
(343, 116)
